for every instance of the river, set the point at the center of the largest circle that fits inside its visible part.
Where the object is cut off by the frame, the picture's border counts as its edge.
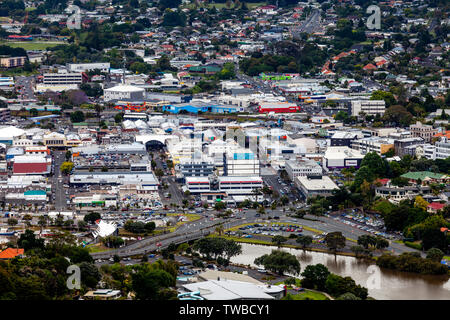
(389, 285)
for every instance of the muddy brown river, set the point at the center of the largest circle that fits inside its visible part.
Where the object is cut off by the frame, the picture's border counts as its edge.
(383, 284)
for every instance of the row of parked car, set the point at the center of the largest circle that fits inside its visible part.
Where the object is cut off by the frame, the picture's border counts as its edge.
(269, 229)
(366, 224)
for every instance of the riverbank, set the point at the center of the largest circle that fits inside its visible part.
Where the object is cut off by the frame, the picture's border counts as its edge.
(383, 284)
(292, 246)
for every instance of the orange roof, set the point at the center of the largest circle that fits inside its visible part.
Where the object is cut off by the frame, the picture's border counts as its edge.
(11, 253)
(440, 134)
(369, 67)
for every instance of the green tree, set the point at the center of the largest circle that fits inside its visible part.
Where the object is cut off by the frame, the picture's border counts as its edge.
(77, 116)
(279, 262)
(66, 167)
(435, 254)
(304, 241)
(278, 240)
(335, 240)
(315, 276)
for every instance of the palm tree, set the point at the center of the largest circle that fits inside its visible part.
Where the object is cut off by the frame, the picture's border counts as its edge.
(219, 229)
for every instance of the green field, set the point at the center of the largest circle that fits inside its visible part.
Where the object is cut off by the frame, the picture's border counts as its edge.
(306, 295)
(31, 45)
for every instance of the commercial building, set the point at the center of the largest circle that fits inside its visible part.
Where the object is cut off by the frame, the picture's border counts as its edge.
(31, 164)
(124, 92)
(241, 188)
(62, 78)
(396, 194)
(315, 186)
(426, 132)
(197, 185)
(367, 107)
(344, 138)
(407, 146)
(373, 144)
(12, 62)
(302, 168)
(278, 107)
(231, 290)
(341, 157)
(442, 148)
(114, 178)
(196, 167)
(85, 67)
(240, 162)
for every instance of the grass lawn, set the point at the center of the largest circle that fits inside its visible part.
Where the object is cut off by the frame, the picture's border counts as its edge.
(98, 247)
(31, 45)
(306, 295)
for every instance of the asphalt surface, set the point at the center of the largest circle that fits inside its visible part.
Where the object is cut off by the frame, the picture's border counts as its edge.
(200, 228)
(58, 180)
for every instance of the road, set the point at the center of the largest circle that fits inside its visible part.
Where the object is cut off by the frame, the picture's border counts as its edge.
(26, 91)
(310, 25)
(272, 181)
(58, 191)
(200, 228)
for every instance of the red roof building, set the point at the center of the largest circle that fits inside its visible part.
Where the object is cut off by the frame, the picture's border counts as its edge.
(369, 67)
(11, 253)
(434, 207)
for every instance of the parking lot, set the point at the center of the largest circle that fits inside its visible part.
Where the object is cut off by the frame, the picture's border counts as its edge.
(371, 224)
(274, 229)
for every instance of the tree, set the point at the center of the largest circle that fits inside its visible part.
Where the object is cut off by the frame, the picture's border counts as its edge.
(12, 222)
(92, 217)
(28, 241)
(381, 243)
(348, 296)
(90, 274)
(367, 240)
(278, 240)
(279, 262)
(66, 167)
(358, 251)
(148, 284)
(375, 163)
(421, 203)
(435, 254)
(315, 276)
(304, 241)
(398, 115)
(335, 240)
(77, 116)
(150, 226)
(337, 285)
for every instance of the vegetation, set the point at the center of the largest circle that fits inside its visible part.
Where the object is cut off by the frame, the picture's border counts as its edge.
(412, 262)
(280, 262)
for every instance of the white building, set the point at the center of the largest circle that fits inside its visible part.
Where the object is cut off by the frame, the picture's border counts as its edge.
(341, 157)
(368, 107)
(315, 186)
(241, 162)
(302, 168)
(62, 78)
(241, 188)
(124, 92)
(442, 150)
(198, 184)
(85, 67)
